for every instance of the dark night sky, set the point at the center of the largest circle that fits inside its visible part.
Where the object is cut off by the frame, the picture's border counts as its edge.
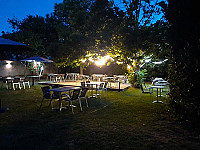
(21, 8)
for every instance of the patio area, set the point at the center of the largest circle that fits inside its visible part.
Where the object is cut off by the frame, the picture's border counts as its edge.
(114, 86)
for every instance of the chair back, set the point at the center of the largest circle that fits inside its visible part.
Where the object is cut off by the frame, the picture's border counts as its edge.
(54, 86)
(82, 84)
(16, 80)
(101, 85)
(75, 94)
(26, 80)
(89, 86)
(55, 94)
(105, 85)
(46, 93)
(83, 92)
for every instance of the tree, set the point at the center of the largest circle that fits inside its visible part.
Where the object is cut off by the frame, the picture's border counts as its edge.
(97, 27)
(184, 68)
(91, 25)
(36, 31)
(134, 40)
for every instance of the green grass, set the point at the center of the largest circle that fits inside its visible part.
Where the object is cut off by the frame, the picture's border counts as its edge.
(124, 120)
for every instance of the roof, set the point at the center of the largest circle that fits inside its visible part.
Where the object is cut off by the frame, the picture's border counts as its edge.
(10, 42)
(39, 59)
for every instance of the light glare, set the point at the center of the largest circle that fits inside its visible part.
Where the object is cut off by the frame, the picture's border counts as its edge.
(8, 65)
(100, 62)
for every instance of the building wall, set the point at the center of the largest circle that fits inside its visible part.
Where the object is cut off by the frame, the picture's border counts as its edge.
(13, 68)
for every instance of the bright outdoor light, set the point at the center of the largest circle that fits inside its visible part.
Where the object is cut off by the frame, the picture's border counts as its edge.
(128, 67)
(142, 65)
(83, 60)
(157, 63)
(147, 60)
(118, 62)
(101, 61)
(90, 59)
(8, 65)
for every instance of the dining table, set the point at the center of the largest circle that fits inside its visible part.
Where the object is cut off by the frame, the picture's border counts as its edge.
(157, 87)
(61, 90)
(33, 78)
(94, 85)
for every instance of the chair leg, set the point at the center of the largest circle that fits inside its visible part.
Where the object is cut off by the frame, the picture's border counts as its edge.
(72, 107)
(50, 103)
(19, 86)
(86, 101)
(60, 106)
(29, 85)
(41, 103)
(104, 94)
(7, 85)
(80, 104)
(14, 87)
(24, 85)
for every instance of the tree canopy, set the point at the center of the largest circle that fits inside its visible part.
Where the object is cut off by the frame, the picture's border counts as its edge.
(100, 27)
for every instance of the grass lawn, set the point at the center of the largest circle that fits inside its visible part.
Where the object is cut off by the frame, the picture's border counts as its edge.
(123, 120)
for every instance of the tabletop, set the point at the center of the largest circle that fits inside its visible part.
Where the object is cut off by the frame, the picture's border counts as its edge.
(95, 83)
(109, 77)
(157, 86)
(158, 79)
(33, 76)
(52, 74)
(9, 78)
(63, 89)
(160, 84)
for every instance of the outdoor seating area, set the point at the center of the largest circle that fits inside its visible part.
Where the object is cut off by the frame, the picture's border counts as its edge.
(28, 118)
(95, 83)
(99, 75)
(115, 82)
(15, 82)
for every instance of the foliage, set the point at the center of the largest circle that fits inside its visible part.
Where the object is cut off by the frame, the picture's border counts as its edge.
(132, 79)
(79, 27)
(36, 31)
(90, 25)
(184, 66)
(156, 70)
(35, 68)
(138, 77)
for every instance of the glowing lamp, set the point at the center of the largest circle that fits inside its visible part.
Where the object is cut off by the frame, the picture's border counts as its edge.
(8, 65)
(83, 60)
(100, 62)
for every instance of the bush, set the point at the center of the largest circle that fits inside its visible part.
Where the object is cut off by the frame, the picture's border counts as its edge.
(137, 77)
